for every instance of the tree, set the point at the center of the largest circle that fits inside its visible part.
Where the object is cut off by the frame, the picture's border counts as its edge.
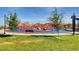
(69, 26)
(13, 21)
(56, 18)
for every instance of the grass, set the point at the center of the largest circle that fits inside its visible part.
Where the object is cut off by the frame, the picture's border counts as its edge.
(39, 43)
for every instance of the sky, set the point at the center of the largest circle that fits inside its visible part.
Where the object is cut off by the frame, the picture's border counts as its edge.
(33, 15)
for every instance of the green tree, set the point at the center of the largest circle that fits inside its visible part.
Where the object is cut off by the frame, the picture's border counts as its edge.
(56, 18)
(69, 25)
(13, 21)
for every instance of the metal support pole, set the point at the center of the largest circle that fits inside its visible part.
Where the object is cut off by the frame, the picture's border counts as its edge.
(4, 24)
(73, 23)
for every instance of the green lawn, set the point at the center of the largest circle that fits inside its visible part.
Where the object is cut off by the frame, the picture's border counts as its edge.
(39, 43)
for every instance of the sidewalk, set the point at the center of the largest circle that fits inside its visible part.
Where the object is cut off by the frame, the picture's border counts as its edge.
(13, 33)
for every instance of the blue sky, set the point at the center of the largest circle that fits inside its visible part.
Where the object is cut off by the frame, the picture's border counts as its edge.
(38, 14)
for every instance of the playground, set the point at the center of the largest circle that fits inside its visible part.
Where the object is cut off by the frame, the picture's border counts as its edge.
(43, 29)
(53, 35)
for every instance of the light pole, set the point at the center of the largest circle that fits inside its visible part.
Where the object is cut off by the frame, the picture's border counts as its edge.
(4, 24)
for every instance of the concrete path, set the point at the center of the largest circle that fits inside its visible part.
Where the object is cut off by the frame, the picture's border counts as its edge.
(1, 31)
(14, 33)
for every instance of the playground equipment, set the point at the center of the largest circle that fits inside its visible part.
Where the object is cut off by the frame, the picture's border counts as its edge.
(74, 23)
